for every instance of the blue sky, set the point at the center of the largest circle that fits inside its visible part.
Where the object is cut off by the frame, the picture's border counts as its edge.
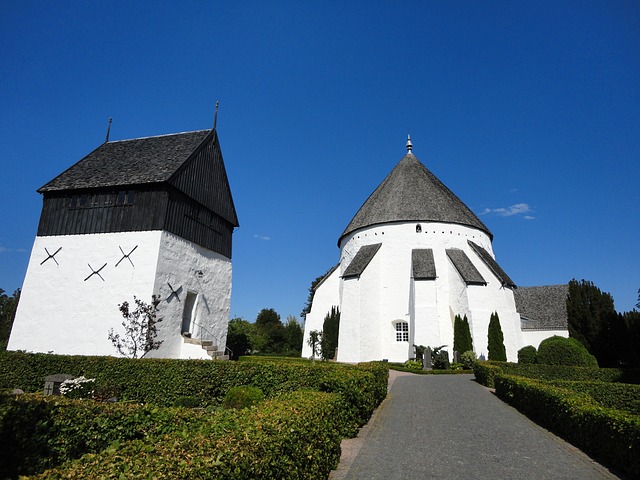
(528, 111)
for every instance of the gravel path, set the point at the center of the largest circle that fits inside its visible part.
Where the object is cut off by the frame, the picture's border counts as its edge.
(450, 427)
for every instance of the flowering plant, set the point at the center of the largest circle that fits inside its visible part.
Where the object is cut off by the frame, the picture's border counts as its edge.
(80, 387)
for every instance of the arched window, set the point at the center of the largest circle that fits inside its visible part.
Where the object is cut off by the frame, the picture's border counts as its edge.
(418, 228)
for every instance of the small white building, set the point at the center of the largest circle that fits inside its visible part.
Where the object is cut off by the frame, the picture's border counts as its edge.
(412, 258)
(142, 217)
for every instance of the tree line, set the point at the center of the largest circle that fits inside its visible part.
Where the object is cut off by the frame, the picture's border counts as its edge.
(267, 335)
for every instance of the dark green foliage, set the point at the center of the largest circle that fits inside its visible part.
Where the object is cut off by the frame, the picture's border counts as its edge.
(8, 306)
(187, 402)
(441, 359)
(497, 350)
(292, 434)
(239, 338)
(295, 436)
(630, 343)
(462, 341)
(564, 351)
(620, 396)
(556, 372)
(315, 342)
(293, 337)
(609, 435)
(269, 332)
(527, 354)
(242, 397)
(592, 320)
(330, 330)
(485, 373)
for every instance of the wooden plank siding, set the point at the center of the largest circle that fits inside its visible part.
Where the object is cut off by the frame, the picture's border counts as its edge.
(204, 178)
(102, 214)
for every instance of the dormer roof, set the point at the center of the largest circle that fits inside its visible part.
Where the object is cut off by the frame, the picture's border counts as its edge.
(412, 193)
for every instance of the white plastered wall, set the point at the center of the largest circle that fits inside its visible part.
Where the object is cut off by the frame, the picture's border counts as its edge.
(327, 295)
(62, 311)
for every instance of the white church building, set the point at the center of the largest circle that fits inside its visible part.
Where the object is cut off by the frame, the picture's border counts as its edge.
(412, 258)
(142, 217)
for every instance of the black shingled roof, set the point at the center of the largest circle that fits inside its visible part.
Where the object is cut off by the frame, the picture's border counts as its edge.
(490, 262)
(422, 264)
(129, 162)
(361, 260)
(465, 267)
(412, 193)
(542, 308)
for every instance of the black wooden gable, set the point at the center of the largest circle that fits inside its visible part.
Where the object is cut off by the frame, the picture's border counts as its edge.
(176, 183)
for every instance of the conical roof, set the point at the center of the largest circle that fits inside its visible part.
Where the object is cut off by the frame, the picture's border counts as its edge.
(412, 193)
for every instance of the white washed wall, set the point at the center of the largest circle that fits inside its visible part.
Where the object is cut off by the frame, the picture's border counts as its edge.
(61, 312)
(326, 296)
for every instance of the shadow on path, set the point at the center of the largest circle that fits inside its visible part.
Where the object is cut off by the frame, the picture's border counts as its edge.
(450, 427)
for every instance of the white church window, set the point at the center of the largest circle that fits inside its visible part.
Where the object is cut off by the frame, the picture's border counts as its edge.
(402, 331)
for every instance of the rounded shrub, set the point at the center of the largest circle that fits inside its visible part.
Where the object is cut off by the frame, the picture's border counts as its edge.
(564, 351)
(413, 364)
(468, 358)
(527, 354)
(242, 397)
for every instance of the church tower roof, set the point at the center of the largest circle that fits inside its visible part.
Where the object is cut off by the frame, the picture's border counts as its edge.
(412, 193)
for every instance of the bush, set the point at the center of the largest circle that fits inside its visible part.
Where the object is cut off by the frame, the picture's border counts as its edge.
(527, 354)
(619, 396)
(242, 397)
(564, 351)
(485, 373)
(187, 402)
(413, 365)
(441, 360)
(468, 359)
(294, 436)
(608, 435)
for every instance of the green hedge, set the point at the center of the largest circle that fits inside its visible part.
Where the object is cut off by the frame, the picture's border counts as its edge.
(558, 350)
(619, 396)
(162, 382)
(41, 432)
(294, 436)
(611, 436)
(485, 371)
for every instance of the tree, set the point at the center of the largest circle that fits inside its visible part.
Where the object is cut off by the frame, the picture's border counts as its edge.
(239, 337)
(330, 331)
(8, 306)
(497, 350)
(293, 336)
(592, 321)
(140, 328)
(564, 351)
(269, 336)
(315, 337)
(462, 341)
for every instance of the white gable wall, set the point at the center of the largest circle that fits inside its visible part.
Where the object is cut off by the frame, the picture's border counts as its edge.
(327, 295)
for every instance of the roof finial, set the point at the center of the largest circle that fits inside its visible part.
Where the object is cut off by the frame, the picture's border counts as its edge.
(108, 130)
(215, 116)
(409, 145)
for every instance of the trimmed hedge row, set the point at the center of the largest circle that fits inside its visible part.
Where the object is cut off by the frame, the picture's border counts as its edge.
(41, 432)
(619, 396)
(162, 382)
(485, 371)
(611, 436)
(294, 436)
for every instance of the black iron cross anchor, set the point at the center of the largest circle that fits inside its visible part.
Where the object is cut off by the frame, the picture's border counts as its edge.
(51, 256)
(95, 272)
(174, 292)
(126, 255)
